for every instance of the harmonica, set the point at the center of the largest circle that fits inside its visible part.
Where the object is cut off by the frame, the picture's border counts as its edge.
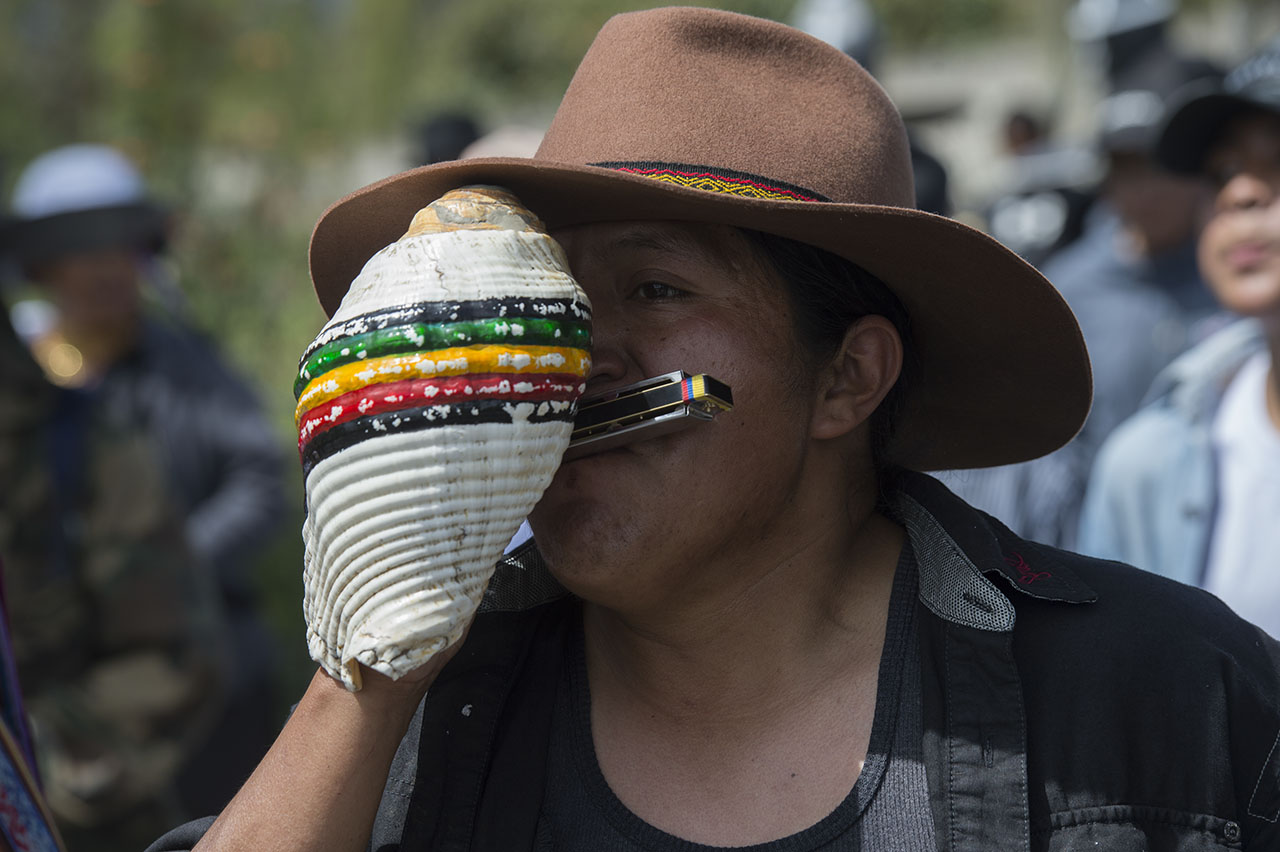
(655, 406)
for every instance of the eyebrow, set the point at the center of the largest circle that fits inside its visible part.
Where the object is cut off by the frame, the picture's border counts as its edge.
(650, 238)
(690, 240)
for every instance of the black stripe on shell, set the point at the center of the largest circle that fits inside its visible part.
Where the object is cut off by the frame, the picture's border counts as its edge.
(352, 432)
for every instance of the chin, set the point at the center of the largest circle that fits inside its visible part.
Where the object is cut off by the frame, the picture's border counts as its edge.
(584, 532)
(588, 559)
(1252, 297)
(572, 527)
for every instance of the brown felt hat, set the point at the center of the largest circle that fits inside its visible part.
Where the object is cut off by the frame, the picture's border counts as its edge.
(699, 115)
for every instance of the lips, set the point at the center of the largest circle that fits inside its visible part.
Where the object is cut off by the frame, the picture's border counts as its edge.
(1246, 256)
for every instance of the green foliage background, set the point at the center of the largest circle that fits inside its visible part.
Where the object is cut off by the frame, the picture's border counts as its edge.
(287, 89)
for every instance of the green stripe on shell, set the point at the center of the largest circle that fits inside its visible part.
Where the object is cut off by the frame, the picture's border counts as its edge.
(423, 337)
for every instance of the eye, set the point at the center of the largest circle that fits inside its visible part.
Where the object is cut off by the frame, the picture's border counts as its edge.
(658, 291)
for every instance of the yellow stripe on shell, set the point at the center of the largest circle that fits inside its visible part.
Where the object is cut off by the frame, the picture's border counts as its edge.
(457, 361)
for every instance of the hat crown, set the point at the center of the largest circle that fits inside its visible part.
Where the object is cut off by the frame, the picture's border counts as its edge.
(1131, 115)
(727, 92)
(699, 115)
(76, 177)
(1259, 75)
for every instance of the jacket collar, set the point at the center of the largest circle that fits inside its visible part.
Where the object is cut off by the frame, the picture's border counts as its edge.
(1195, 381)
(959, 550)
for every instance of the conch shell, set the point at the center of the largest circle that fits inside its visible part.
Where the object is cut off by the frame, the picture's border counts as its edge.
(433, 410)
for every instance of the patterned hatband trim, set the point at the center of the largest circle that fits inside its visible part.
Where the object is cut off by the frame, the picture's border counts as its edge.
(713, 179)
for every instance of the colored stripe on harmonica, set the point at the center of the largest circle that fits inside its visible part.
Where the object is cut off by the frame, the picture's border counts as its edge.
(702, 392)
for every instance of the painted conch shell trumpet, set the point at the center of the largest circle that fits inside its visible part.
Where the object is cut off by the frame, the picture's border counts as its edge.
(433, 410)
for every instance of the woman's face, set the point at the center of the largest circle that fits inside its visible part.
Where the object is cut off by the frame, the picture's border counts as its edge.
(622, 526)
(1240, 246)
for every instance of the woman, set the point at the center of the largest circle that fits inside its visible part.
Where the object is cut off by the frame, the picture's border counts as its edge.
(1202, 508)
(767, 631)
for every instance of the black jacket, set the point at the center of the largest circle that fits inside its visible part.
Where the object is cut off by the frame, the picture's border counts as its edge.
(1069, 704)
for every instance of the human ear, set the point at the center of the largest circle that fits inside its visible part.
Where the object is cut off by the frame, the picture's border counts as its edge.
(857, 377)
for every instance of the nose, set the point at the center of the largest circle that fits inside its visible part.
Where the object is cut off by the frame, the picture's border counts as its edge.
(1246, 191)
(608, 359)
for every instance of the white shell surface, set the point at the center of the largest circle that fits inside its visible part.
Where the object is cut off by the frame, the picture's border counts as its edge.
(457, 266)
(403, 533)
(404, 528)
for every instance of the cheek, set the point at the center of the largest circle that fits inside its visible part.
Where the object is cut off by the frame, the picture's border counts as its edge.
(96, 292)
(686, 495)
(1214, 238)
(757, 344)
(759, 367)
(1165, 206)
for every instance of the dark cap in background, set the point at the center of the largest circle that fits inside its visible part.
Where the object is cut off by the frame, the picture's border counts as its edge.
(1203, 110)
(1131, 116)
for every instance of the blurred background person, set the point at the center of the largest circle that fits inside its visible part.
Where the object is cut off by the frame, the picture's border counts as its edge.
(1122, 34)
(1024, 133)
(1051, 186)
(143, 480)
(116, 640)
(443, 136)
(1131, 280)
(1049, 196)
(1190, 486)
(454, 135)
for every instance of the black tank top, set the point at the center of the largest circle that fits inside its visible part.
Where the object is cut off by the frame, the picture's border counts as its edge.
(887, 810)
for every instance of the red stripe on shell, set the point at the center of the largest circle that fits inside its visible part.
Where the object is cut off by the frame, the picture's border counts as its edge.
(414, 393)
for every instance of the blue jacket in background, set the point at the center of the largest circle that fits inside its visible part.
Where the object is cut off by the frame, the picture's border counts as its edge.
(1136, 313)
(1152, 496)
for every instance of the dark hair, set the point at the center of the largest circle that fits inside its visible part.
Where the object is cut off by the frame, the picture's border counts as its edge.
(827, 295)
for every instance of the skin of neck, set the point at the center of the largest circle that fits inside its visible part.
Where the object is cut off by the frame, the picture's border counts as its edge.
(803, 605)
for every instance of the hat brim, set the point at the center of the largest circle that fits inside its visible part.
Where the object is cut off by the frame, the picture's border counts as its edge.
(1196, 124)
(1003, 375)
(1128, 140)
(32, 242)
